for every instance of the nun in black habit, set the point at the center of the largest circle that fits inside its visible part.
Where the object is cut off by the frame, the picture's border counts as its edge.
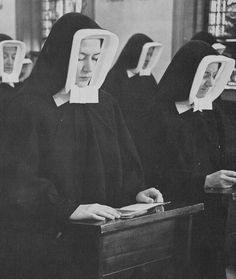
(132, 84)
(192, 144)
(12, 54)
(67, 153)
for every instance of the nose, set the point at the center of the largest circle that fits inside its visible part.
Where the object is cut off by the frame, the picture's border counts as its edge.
(209, 81)
(87, 65)
(148, 57)
(9, 61)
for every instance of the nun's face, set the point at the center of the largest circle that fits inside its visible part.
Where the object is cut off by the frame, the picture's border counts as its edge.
(88, 56)
(9, 55)
(208, 79)
(148, 57)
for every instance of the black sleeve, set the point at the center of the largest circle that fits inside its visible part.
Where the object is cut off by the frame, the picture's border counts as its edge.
(24, 192)
(171, 168)
(227, 134)
(133, 177)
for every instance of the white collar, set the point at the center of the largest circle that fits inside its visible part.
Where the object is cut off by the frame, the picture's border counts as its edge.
(78, 95)
(203, 104)
(198, 105)
(130, 74)
(182, 106)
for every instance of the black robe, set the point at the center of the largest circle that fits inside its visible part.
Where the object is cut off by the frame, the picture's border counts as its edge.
(7, 92)
(134, 95)
(56, 158)
(190, 146)
(194, 143)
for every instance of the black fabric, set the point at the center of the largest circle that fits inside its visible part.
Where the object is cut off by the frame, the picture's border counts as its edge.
(130, 54)
(188, 147)
(205, 37)
(7, 92)
(55, 158)
(4, 37)
(134, 95)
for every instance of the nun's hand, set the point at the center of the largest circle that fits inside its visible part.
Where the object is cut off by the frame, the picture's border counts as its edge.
(150, 195)
(94, 211)
(221, 179)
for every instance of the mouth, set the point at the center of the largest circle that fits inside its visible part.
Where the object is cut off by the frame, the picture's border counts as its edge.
(8, 70)
(84, 77)
(204, 89)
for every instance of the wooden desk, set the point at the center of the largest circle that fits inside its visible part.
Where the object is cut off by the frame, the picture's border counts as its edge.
(229, 199)
(152, 246)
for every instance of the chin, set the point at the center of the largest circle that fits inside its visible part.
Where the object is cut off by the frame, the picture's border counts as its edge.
(201, 95)
(83, 84)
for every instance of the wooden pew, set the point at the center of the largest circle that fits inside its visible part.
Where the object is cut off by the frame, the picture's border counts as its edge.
(156, 245)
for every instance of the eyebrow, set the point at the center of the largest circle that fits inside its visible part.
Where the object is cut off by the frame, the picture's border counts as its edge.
(83, 53)
(207, 72)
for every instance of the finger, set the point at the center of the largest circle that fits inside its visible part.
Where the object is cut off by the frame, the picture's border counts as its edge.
(223, 186)
(226, 186)
(146, 199)
(111, 211)
(229, 179)
(229, 173)
(159, 197)
(155, 195)
(105, 214)
(151, 191)
(96, 217)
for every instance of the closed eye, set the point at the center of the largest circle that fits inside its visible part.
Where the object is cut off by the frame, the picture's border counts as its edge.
(206, 75)
(95, 57)
(81, 57)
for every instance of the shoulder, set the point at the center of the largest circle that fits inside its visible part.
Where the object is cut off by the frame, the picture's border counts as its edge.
(107, 103)
(27, 107)
(106, 98)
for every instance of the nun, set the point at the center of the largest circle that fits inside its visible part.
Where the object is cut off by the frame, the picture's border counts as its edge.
(67, 154)
(132, 84)
(194, 150)
(12, 53)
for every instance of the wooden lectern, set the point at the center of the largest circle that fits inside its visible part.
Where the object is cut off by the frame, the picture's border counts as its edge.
(156, 245)
(228, 197)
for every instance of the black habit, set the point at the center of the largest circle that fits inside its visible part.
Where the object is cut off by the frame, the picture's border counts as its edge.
(134, 95)
(6, 90)
(55, 158)
(189, 146)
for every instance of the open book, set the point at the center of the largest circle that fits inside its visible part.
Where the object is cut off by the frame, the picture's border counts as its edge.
(138, 209)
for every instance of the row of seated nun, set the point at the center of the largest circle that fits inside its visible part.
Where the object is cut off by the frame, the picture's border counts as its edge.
(66, 154)
(13, 69)
(184, 140)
